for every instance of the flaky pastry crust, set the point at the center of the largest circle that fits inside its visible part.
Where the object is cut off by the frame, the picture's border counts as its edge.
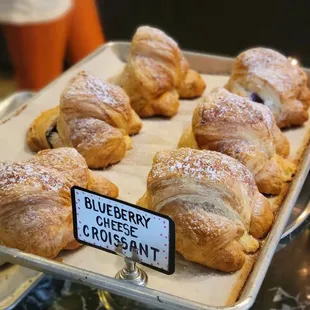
(214, 202)
(245, 130)
(267, 77)
(157, 74)
(94, 117)
(35, 201)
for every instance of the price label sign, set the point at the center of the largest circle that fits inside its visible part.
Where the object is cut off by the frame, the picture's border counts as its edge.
(103, 222)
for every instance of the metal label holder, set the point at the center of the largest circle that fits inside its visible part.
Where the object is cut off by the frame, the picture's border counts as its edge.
(131, 273)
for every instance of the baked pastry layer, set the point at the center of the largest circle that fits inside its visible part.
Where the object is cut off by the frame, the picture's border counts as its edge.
(157, 74)
(94, 117)
(269, 78)
(35, 201)
(245, 130)
(214, 202)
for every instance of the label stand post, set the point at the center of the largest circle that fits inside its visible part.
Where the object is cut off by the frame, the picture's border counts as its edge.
(131, 272)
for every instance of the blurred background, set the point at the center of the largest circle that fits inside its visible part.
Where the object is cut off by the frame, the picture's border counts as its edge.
(217, 27)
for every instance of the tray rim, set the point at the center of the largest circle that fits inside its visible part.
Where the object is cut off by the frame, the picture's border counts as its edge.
(11, 98)
(23, 288)
(144, 294)
(27, 288)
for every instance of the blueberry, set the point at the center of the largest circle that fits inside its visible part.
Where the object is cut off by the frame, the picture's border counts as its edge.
(49, 134)
(254, 97)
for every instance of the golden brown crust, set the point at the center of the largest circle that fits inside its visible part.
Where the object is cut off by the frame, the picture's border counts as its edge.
(40, 129)
(262, 216)
(156, 71)
(200, 237)
(99, 143)
(35, 203)
(192, 86)
(100, 184)
(214, 202)
(245, 130)
(88, 96)
(277, 80)
(166, 105)
(94, 117)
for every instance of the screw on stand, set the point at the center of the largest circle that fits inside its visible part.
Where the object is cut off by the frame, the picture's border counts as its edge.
(130, 272)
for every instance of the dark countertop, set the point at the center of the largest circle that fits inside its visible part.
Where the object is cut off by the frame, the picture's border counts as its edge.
(286, 286)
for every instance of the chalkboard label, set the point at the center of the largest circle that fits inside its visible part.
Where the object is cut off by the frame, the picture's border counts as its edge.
(103, 222)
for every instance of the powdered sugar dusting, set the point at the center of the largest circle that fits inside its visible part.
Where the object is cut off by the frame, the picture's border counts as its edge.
(222, 117)
(108, 93)
(158, 36)
(156, 76)
(90, 130)
(199, 164)
(272, 67)
(57, 158)
(27, 174)
(49, 170)
(85, 83)
(76, 169)
(222, 106)
(206, 218)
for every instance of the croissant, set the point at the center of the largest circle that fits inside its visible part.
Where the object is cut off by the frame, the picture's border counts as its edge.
(214, 202)
(94, 117)
(245, 130)
(267, 77)
(157, 74)
(35, 204)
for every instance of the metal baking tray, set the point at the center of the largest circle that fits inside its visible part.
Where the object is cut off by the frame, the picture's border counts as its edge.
(76, 268)
(13, 104)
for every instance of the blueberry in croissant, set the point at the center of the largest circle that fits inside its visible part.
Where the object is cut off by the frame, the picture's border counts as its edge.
(93, 116)
(267, 77)
(35, 202)
(214, 202)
